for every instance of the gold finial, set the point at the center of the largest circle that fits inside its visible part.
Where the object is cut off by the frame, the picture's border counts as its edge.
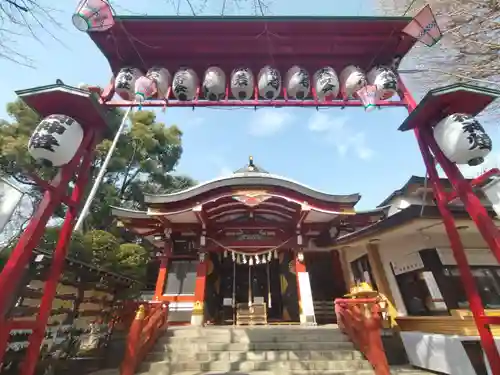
(141, 313)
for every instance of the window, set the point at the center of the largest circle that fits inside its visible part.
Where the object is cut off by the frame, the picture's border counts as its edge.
(181, 279)
(487, 281)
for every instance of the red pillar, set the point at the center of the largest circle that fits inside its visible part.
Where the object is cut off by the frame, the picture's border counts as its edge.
(58, 260)
(426, 142)
(162, 277)
(34, 231)
(299, 267)
(162, 272)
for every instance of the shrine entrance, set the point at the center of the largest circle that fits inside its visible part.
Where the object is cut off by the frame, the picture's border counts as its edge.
(234, 289)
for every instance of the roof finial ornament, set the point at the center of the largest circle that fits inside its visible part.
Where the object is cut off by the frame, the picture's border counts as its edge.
(251, 166)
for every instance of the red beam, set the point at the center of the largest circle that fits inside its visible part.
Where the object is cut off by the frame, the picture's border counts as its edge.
(476, 182)
(248, 103)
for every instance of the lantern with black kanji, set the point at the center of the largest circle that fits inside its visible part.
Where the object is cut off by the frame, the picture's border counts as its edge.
(269, 82)
(214, 84)
(352, 79)
(326, 83)
(185, 84)
(385, 80)
(162, 78)
(242, 83)
(298, 83)
(56, 139)
(462, 139)
(125, 82)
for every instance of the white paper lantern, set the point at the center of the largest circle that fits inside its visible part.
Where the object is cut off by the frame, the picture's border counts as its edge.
(385, 80)
(352, 79)
(462, 139)
(214, 84)
(162, 78)
(326, 83)
(269, 83)
(242, 83)
(185, 84)
(125, 82)
(298, 82)
(56, 139)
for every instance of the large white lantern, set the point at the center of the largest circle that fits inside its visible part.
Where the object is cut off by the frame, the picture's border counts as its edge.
(298, 83)
(242, 83)
(125, 82)
(162, 78)
(56, 139)
(462, 139)
(385, 80)
(352, 79)
(269, 82)
(214, 84)
(185, 84)
(326, 83)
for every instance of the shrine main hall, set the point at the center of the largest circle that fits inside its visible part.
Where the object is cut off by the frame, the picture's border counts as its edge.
(250, 248)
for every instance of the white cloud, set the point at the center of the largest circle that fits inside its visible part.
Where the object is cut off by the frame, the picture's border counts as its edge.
(334, 130)
(267, 122)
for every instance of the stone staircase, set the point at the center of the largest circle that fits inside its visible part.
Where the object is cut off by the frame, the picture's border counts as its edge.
(261, 350)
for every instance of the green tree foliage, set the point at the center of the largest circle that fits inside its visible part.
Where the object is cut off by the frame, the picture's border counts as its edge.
(146, 155)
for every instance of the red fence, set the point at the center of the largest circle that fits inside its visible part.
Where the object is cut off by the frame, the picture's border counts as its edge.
(361, 320)
(149, 322)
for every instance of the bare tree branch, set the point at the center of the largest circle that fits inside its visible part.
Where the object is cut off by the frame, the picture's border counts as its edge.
(24, 18)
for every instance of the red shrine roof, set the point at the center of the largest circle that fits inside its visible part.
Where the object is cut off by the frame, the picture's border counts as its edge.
(229, 42)
(444, 101)
(81, 105)
(250, 195)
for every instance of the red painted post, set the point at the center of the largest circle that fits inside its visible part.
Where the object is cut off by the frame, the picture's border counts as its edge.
(472, 203)
(423, 136)
(129, 363)
(56, 268)
(36, 228)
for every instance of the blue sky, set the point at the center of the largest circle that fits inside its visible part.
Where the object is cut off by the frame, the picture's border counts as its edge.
(337, 151)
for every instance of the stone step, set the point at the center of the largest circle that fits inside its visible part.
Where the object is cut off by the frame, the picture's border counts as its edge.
(336, 355)
(167, 367)
(268, 337)
(260, 330)
(253, 346)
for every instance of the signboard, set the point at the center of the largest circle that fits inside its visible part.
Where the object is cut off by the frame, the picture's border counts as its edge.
(241, 235)
(10, 197)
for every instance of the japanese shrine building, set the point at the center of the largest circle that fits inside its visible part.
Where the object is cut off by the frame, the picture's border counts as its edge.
(252, 238)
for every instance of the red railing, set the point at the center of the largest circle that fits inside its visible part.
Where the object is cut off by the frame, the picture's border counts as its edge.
(149, 322)
(361, 320)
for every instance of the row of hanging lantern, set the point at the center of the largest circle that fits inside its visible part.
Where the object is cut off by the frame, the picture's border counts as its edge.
(461, 137)
(132, 84)
(251, 259)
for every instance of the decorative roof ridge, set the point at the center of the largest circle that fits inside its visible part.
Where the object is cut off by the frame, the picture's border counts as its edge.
(265, 176)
